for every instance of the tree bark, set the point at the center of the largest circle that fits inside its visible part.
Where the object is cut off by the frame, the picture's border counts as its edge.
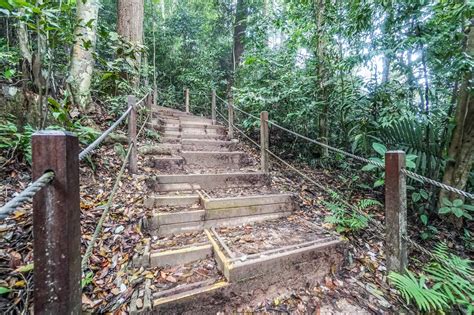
(240, 27)
(461, 149)
(130, 26)
(82, 60)
(319, 9)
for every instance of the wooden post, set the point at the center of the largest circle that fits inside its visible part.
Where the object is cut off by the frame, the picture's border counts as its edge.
(186, 99)
(395, 211)
(213, 107)
(264, 142)
(56, 225)
(230, 110)
(155, 96)
(132, 135)
(149, 101)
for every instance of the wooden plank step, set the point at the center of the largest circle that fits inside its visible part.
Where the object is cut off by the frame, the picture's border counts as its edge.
(247, 201)
(180, 256)
(210, 159)
(210, 181)
(173, 200)
(167, 163)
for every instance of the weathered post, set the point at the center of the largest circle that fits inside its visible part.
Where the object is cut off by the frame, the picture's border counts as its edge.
(264, 142)
(395, 211)
(213, 107)
(149, 101)
(56, 225)
(132, 135)
(155, 95)
(186, 99)
(230, 110)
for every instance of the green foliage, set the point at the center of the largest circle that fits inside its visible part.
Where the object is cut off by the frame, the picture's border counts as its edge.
(13, 141)
(346, 219)
(415, 289)
(87, 279)
(456, 207)
(442, 287)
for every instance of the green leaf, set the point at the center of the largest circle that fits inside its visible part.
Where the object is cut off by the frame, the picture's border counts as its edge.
(458, 203)
(444, 210)
(446, 202)
(416, 197)
(457, 212)
(379, 148)
(424, 194)
(4, 290)
(25, 268)
(424, 219)
(379, 183)
(369, 167)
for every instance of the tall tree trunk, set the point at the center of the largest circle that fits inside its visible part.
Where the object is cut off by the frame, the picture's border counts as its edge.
(82, 60)
(130, 27)
(240, 27)
(461, 149)
(319, 9)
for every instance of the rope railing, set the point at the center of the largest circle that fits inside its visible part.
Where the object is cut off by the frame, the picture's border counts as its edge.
(334, 194)
(27, 194)
(90, 246)
(409, 173)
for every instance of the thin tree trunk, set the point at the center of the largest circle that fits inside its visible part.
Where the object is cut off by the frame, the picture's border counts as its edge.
(461, 149)
(82, 60)
(319, 8)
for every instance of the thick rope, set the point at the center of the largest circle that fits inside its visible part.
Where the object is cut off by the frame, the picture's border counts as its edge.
(104, 135)
(26, 195)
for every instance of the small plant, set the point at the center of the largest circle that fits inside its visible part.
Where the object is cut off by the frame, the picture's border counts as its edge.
(381, 150)
(441, 287)
(348, 220)
(456, 207)
(415, 289)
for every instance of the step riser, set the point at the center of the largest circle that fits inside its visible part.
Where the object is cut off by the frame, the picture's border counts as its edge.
(247, 201)
(180, 257)
(210, 181)
(161, 219)
(233, 160)
(217, 148)
(169, 229)
(203, 136)
(153, 202)
(202, 131)
(167, 164)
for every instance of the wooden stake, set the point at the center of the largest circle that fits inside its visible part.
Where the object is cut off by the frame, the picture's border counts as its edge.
(186, 99)
(132, 135)
(230, 111)
(264, 142)
(56, 225)
(213, 107)
(395, 211)
(155, 95)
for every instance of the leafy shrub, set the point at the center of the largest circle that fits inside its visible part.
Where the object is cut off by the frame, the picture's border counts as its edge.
(348, 220)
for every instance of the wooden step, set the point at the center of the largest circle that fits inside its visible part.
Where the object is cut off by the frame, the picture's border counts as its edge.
(166, 163)
(210, 181)
(208, 159)
(171, 200)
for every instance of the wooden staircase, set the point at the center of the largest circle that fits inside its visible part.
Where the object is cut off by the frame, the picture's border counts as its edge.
(210, 208)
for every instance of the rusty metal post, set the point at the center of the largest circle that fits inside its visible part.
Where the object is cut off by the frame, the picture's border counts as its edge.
(56, 225)
(395, 211)
(213, 107)
(230, 111)
(132, 135)
(264, 142)
(186, 99)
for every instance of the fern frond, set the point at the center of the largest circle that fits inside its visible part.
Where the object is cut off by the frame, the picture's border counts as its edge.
(413, 289)
(366, 203)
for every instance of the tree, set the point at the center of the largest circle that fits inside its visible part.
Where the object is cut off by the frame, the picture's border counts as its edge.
(82, 59)
(461, 149)
(130, 27)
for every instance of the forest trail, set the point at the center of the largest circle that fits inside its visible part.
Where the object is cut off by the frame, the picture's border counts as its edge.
(212, 210)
